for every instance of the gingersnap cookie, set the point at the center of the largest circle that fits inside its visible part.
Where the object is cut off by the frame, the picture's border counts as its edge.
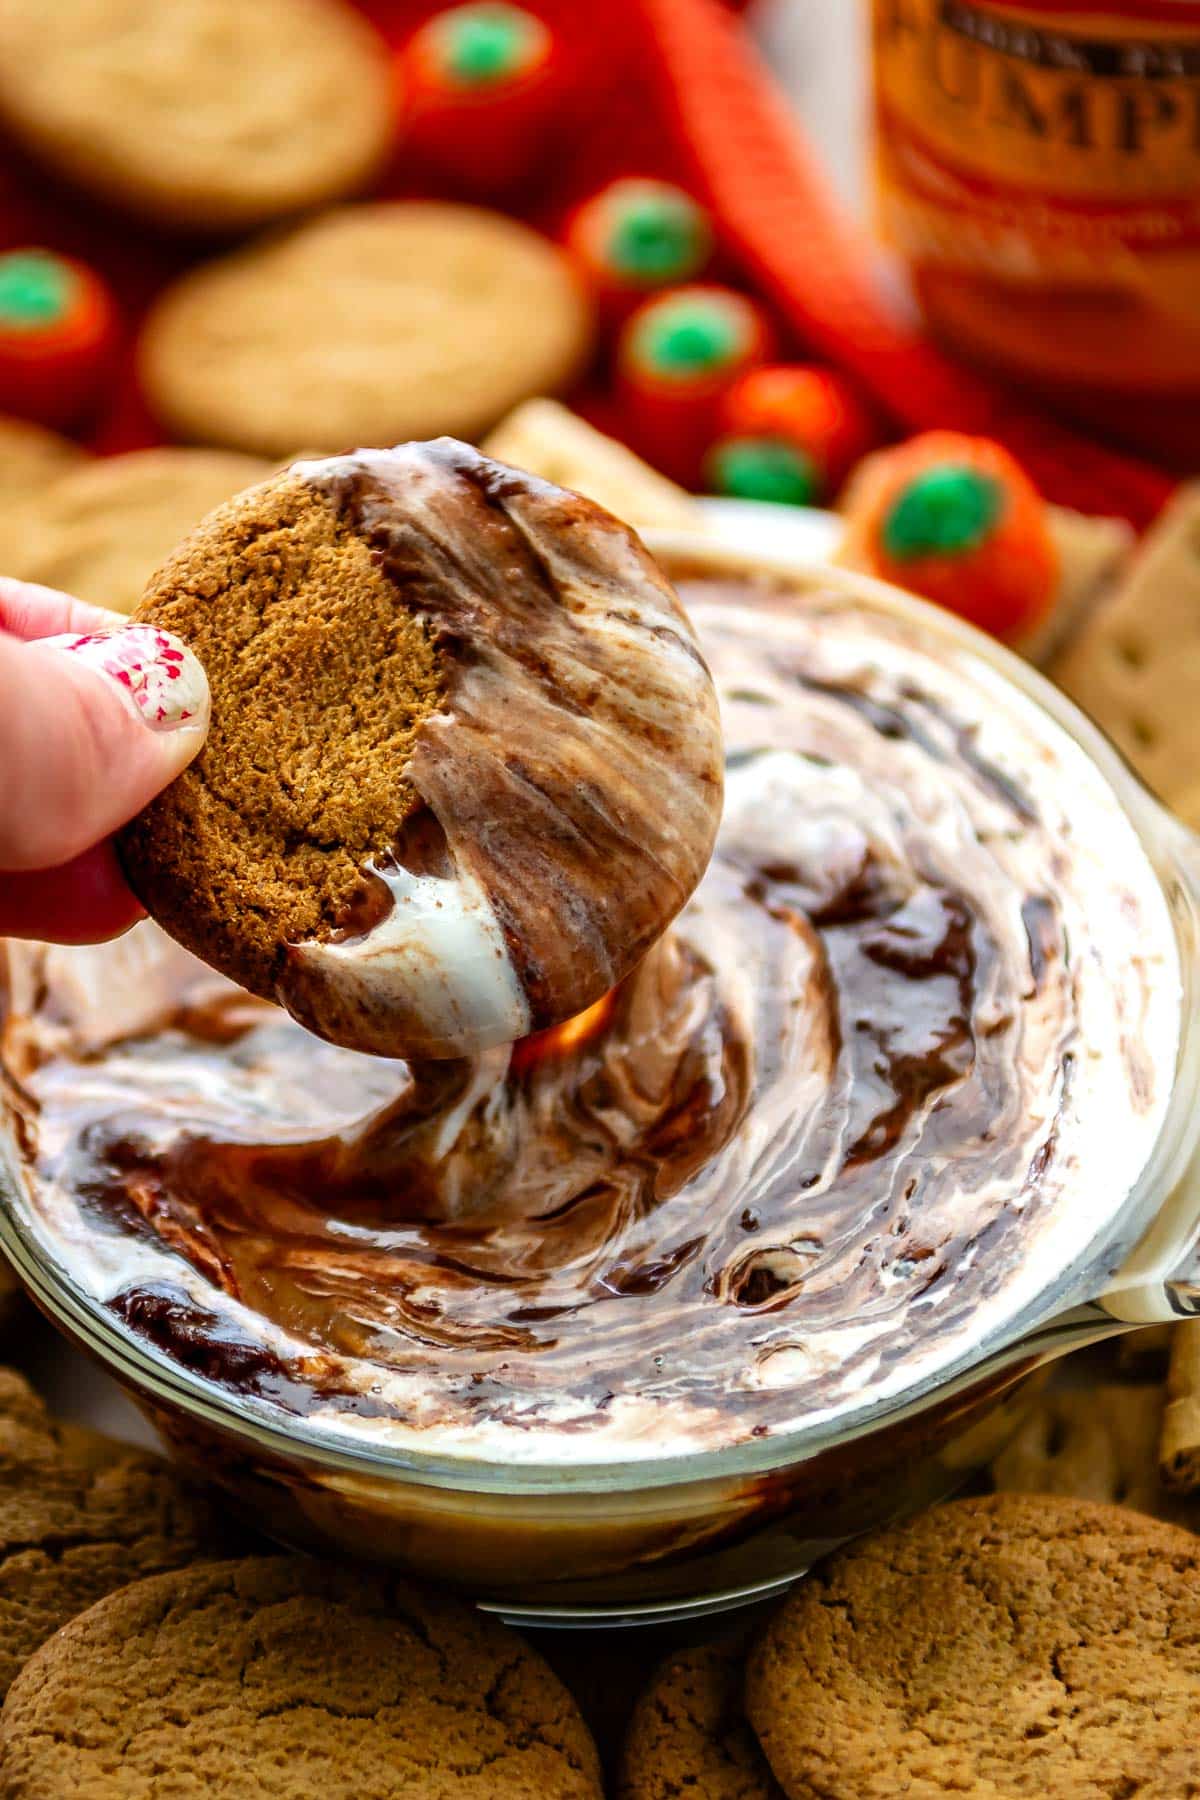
(30, 457)
(465, 757)
(74, 1526)
(1011, 1646)
(100, 531)
(367, 325)
(689, 1735)
(282, 1676)
(1096, 1442)
(199, 114)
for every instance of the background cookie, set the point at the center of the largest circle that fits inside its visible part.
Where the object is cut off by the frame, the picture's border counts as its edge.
(366, 326)
(101, 531)
(31, 456)
(688, 1733)
(74, 1524)
(209, 114)
(1098, 1442)
(1010, 1645)
(282, 1676)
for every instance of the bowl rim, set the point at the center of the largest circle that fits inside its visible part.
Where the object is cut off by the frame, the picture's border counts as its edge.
(1064, 1307)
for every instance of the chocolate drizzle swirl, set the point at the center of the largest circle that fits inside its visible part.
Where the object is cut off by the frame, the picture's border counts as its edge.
(876, 1076)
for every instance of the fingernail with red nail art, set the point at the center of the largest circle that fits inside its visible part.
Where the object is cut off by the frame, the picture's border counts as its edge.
(157, 674)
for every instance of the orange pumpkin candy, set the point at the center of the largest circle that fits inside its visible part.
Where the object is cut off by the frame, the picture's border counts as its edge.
(790, 432)
(478, 92)
(955, 519)
(58, 334)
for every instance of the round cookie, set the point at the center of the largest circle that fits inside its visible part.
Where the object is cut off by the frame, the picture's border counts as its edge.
(30, 457)
(102, 530)
(74, 1526)
(688, 1733)
(1006, 1646)
(368, 325)
(199, 114)
(1097, 1442)
(280, 1676)
(448, 701)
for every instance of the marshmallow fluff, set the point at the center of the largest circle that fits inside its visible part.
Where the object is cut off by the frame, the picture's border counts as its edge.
(900, 1059)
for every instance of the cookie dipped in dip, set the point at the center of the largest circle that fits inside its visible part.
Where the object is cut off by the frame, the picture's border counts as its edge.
(465, 758)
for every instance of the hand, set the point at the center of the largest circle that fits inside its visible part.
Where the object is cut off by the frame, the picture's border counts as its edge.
(96, 717)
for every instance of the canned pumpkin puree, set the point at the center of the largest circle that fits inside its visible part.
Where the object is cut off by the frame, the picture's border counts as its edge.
(1038, 166)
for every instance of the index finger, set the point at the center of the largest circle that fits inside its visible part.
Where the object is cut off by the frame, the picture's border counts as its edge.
(30, 611)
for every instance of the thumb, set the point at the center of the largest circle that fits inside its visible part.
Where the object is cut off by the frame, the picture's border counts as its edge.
(92, 726)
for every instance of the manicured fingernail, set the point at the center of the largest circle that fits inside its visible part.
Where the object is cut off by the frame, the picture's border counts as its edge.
(156, 672)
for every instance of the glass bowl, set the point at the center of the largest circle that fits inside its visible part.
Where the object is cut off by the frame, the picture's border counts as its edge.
(682, 1535)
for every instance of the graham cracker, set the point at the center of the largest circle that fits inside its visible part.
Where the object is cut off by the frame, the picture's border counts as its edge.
(549, 440)
(1092, 555)
(1179, 1454)
(1135, 665)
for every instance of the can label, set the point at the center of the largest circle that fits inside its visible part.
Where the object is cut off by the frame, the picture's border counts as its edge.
(1056, 138)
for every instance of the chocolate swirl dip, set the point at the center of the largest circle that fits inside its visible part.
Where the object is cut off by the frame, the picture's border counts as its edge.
(900, 1057)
